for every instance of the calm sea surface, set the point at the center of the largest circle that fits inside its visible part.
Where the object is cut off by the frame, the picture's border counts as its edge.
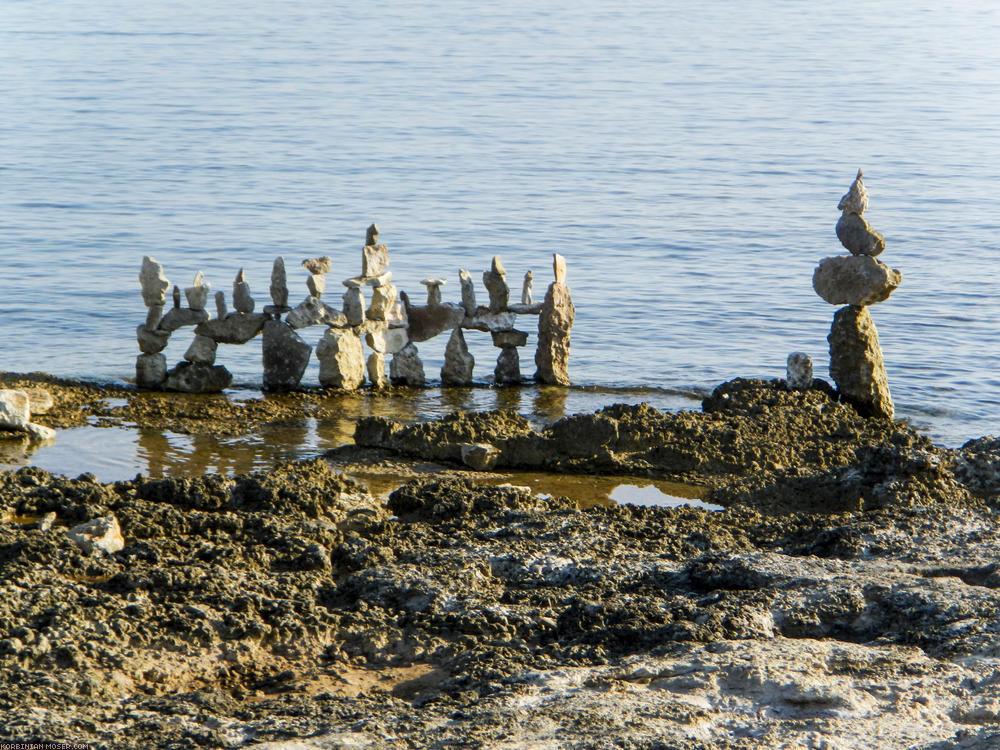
(687, 159)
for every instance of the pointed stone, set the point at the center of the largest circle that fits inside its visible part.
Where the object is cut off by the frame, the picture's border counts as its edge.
(154, 283)
(799, 371)
(856, 363)
(495, 281)
(341, 360)
(235, 328)
(508, 369)
(279, 283)
(197, 293)
(559, 268)
(177, 297)
(202, 350)
(317, 265)
(468, 292)
(286, 356)
(406, 367)
(376, 371)
(371, 235)
(526, 290)
(220, 306)
(554, 324)
(150, 370)
(383, 298)
(855, 200)
(458, 362)
(354, 307)
(242, 300)
(197, 377)
(151, 341)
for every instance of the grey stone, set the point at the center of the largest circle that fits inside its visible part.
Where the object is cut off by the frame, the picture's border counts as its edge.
(235, 328)
(313, 311)
(221, 311)
(495, 281)
(374, 260)
(535, 308)
(316, 283)
(341, 360)
(387, 340)
(354, 306)
(512, 337)
(100, 535)
(176, 296)
(196, 377)
(426, 322)
(480, 456)
(15, 409)
(153, 316)
(433, 291)
(856, 363)
(468, 292)
(383, 298)
(799, 371)
(150, 370)
(483, 320)
(39, 400)
(197, 293)
(39, 433)
(371, 235)
(151, 342)
(559, 268)
(458, 362)
(202, 350)
(286, 356)
(526, 289)
(406, 367)
(508, 369)
(178, 317)
(854, 280)
(857, 236)
(376, 370)
(154, 283)
(242, 300)
(279, 283)
(855, 200)
(554, 324)
(317, 265)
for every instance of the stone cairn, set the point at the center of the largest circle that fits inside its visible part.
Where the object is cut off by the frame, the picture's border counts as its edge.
(389, 324)
(857, 280)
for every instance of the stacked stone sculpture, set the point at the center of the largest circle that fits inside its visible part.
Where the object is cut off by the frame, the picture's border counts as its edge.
(857, 280)
(390, 325)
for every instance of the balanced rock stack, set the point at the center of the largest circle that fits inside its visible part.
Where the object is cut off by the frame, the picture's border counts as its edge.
(857, 280)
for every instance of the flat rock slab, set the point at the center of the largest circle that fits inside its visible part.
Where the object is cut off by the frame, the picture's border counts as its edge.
(178, 317)
(426, 322)
(235, 328)
(858, 280)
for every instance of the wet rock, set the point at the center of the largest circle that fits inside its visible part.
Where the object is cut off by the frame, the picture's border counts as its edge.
(197, 293)
(101, 534)
(202, 350)
(508, 369)
(279, 284)
(313, 311)
(242, 300)
(319, 266)
(286, 356)
(799, 371)
(856, 364)
(406, 367)
(856, 235)
(196, 377)
(178, 317)
(426, 322)
(150, 370)
(495, 281)
(341, 360)
(235, 328)
(468, 292)
(39, 433)
(383, 298)
(554, 324)
(154, 283)
(458, 362)
(854, 280)
(354, 306)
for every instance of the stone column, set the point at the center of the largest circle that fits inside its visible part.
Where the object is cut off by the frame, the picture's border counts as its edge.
(458, 361)
(341, 360)
(554, 324)
(285, 355)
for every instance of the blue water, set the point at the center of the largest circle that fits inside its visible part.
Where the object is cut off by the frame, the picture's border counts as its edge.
(686, 159)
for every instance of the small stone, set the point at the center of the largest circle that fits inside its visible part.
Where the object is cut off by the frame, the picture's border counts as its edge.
(341, 360)
(508, 369)
(39, 400)
(508, 338)
(374, 260)
(526, 289)
(242, 300)
(855, 200)
(45, 522)
(854, 280)
(316, 284)
(354, 306)
(235, 328)
(799, 371)
(202, 350)
(857, 236)
(535, 308)
(376, 371)
(40, 433)
(286, 356)
(371, 235)
(279, 283)
(383, 298)
(388, 340)
(313, 311)
(554, 324)
(317, 265)
(495, 281)
(154, 283)
(151, 342)
(150, 370)
(153, 316)
(559, 268)
(458, 362)
(433, 291)
(480, 456)
(177, 297)
(197, 293)
(220, 306)
(178, 317)
(856, 363)
(197, 377)
(468, 292)
(15, 409)
(354, 283)
(406, 367)
(100, 535)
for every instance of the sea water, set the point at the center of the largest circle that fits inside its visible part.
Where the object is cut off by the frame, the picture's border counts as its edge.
(687, 159)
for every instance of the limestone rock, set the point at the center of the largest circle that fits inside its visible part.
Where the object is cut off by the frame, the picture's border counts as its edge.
(508, 369)
(426, 322)
(554, 324)
(799, 371)
(433, 291)
(855, 200)
(101, 534)
(317, 265)
(242, 300)
(374, 260)
(286, 356)
(857, 236)
(480, 456)
(15, 409)
(197, 377)
(341, 360)
(178, 317)
(154, 283)
(153, 316)
(376, 370)
(150, 370)
(197, 293)
(313, 311)
(495, 281)
(220, 306)
(383, 298)
(316, 283)
(202, 350)
(151, 342)
(235, 328)
(526, 289)
(354, 306)
(406, 367)
(458, 362)
(396, 316)
(39, 400)
(279, 283)
(483, 320)
(512, 337)
(854, 280)
(387, 340)
(856, 364)
(559, 268)
(39, 433)
(468, 292)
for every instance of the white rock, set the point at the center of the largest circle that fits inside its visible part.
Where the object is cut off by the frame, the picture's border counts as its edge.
(559, 268)
(39, 399)
(101, 534)
(383, 298)
(154, 283)
(197, 293)
(40, 432)
(341, 360)
(799, 371)
(15, 409)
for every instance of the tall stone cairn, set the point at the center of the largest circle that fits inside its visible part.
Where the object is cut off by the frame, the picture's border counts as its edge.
(857, 280)
(554, 324)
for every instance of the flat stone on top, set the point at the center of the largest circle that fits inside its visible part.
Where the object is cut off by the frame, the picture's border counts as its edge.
(854, 280)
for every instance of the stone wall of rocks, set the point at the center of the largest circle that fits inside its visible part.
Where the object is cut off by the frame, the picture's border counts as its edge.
(374, 316)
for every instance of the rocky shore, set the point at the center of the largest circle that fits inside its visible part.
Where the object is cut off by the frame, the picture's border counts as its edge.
(847, 597)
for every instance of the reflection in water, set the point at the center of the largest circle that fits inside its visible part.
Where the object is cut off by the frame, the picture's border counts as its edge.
(16, 450)
(649, 494)
(549, 403)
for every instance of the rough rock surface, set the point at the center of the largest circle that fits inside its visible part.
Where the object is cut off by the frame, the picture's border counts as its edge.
(799, 371)
(856, 364)
(150, 370)
(286, 356)
(426, 321)
(406, 367)
(341, 360)
(458, 362)
(235, 328)
(196, 377)
(508, 369)
(554, 324)
(856, 235)
(854, 280)
(495, 281)
(154, 283)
